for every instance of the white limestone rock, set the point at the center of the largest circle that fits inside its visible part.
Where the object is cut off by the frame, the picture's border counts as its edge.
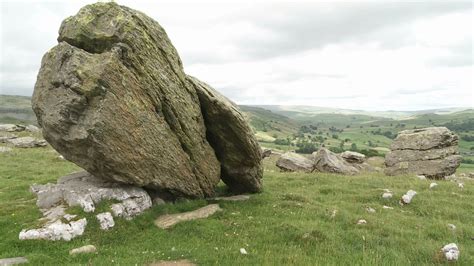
(408, 197)
(56, 231)
(451, 252)
(106, 220)
(83, 249)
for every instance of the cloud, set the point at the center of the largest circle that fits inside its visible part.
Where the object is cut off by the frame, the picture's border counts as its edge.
(359, 55)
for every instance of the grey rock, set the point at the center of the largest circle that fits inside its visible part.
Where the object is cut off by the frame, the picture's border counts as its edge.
(232, 198)
(168, 220)
(106, 220)
(11, 128)
(56, 231)
(32, 128)
(27, 142)
(353, 157)
(85, 190)
(266, 153)
(113, 98)
(431, 152)
(13, 261)
(83, 249)
(232, 139)
(327, 161)
(293, 162)
(5, 149)
(4, 137)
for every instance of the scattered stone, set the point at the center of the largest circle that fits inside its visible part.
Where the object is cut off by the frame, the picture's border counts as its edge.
(83, 249)
(333, 214)
(32, 128)
(167, 131)
(462, 175)
(5, 137)
(173, 263)
(387, 195)
(233, 198)
(421, 177)
(387, 207)
(370, 210)
(243, 251)
(293, 162)
(60, 157)
(433, 185)
(471, 175)
(5, 149)
(56, 231)
(452, 226)
(353, 157)
(266, 153)
(69, 217)
(361, 221)
(13, 261)
(27, 142)
(168, 220)
(451, 252)
(106, 220)
(407, 198)
(461, 185)
(431, 152)
(327, 161)
(12, 128)
(85, 190)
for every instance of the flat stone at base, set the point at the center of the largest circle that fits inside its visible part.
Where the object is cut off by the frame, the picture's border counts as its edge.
(168, 220)
(13, 261)
(173, 263)
(83, 249)
(232, 198)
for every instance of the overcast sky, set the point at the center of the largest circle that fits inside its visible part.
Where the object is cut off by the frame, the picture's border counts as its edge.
(372, 55)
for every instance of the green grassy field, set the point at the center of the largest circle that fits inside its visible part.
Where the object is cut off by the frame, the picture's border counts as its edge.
(289, 223)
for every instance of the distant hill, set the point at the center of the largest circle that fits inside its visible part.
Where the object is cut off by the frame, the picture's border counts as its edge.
(16, 110)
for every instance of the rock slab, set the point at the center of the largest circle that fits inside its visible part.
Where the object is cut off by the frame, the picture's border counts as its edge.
(168, 220)
(293, 162)
(327, 161)
(13, 261)
(431, 152)
(113, 98)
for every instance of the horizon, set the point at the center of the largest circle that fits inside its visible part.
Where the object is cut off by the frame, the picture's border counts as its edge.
(350, 55)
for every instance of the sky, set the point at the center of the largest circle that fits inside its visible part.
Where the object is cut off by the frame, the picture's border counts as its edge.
(367, 55)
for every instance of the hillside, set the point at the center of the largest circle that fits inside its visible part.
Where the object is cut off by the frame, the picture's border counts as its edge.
(16, 109)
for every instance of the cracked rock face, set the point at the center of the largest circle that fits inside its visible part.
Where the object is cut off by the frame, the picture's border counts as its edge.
(113, 98)
(432, 152)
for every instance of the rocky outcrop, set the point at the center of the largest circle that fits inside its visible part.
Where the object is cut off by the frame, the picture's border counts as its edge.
(26, 142)
(353, 157)
(231, 138)
(113, 98)
(329, 162)
(11, 128)
(293, 162)
(431, 152)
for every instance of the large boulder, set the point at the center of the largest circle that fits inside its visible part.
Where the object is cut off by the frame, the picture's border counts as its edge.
(293, 162)
(327, 161)
(113, 98)
(431, 152)
(353, 157)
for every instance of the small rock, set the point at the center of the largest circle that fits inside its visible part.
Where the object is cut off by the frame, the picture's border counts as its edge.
(432, 185)
(106, 220)
(407, 198)
(233, 198)
(5, 149)
(243, 251)
(452, 226)
(168, 220)
(83, 249)
(362, 221)
(69, 217)
(56, 231)
(266, 153)
(13, 261)
(333, 214)
(27, 142)
(60, 157)
(32, 128)
(387, 195)
(387, 207)
(461, 185)
(370, 210)
(462, 175)
(451, 252)
(173, 263)
(421, 177)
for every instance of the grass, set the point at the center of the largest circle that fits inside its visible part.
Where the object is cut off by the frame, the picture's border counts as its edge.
(288, 224)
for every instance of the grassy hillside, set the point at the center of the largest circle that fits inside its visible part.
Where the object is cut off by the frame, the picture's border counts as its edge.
(290, 223)
(16, 109)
